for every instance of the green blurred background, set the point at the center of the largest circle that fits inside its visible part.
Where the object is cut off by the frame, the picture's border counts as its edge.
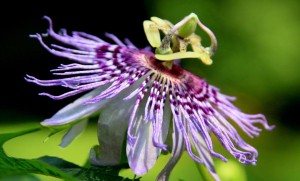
(257, 61)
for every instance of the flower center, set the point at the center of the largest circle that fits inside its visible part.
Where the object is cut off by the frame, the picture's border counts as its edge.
(167, 69)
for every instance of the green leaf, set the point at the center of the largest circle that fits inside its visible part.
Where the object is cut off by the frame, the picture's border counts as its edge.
(105, 173)
(10, 166)
(23, 177)
(90, 173)
(58, 162)
(22, 169)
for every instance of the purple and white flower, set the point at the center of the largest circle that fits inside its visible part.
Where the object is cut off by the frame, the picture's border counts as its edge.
(138, 95)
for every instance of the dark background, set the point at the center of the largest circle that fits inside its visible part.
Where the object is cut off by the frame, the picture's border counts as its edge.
(21, 55)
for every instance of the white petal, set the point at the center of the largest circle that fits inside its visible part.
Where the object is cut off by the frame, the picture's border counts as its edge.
(167, 116)
(142, 155)
(76, 110)
(73, 132)
(112, 126)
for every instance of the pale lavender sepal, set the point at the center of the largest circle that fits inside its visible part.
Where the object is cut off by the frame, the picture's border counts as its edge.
(147, 134)
(112, 126)
(143, 155)
(73, 132)
(76, 110)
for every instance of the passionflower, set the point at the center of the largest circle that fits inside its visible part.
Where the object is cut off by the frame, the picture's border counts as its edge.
(145, 97)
